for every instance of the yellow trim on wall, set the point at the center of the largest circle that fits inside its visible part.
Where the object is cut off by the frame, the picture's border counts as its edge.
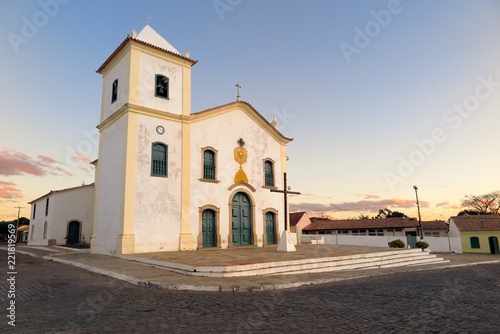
(97, 183)
(126, 239)
(186, 90)
(134, 73)
(187, 241)
(243, 107)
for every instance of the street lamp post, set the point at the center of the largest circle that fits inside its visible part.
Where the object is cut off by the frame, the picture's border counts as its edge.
(419, 219)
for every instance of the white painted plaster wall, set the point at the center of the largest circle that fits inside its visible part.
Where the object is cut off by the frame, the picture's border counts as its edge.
(119, 71)
(157, 218)
(74, 204)
(150, 66)
(36, 225)
(111, 182)
(222, 132)
(436, 244)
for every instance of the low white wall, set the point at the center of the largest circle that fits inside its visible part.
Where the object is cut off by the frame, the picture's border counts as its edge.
(436, 244)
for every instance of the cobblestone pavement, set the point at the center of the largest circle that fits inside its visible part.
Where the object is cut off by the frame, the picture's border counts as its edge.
(55, 298)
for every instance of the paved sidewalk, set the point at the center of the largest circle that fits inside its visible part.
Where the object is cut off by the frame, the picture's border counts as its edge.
(144, 274)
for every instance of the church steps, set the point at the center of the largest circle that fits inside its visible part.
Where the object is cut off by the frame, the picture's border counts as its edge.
(351, 262)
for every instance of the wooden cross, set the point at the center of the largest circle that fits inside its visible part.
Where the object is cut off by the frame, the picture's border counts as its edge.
(238, 86)
(285, 193)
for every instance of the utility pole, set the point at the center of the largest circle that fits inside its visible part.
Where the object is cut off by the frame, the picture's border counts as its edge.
(18, 213)
(419, 219)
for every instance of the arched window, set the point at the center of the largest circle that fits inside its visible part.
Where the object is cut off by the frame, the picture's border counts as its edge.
(32, 231)
(114, 91)
(34, 211)
(161, 86)
(47, 208)
(209, 165)
(268, 173)
(159, 160)
(474, 242)
(45, 230)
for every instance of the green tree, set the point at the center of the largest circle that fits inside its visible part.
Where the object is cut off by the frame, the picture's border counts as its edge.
(386, 213)
(468, 213)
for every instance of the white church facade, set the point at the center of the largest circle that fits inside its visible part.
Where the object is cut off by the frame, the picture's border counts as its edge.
(168, 179)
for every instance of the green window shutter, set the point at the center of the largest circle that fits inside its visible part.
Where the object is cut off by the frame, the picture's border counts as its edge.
(159, 160)
(209, 165)
(161, 86)
(114, 91)
(269, 176)
(474, 242)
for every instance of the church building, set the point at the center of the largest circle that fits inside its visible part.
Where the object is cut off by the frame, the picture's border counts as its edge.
(168, 179)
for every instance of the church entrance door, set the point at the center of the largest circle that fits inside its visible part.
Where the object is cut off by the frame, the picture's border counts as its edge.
(74, 233)
(241, 220)
(208, 228)
(271, 240)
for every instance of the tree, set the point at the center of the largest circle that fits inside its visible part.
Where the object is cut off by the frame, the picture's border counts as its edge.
(386, 213)
(468, 213)
(484, 204)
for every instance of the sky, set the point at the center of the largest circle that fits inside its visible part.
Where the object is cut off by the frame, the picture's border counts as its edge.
(378, 95)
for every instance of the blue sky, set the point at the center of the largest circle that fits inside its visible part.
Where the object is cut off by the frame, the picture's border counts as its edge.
(355, 119)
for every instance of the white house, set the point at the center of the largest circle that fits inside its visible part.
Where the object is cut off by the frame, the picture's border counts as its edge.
(62, 217)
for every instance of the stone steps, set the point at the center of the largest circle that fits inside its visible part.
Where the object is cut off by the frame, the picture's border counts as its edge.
(395, 258)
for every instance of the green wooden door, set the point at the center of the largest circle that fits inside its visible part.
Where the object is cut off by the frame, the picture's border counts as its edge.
(208, 228)
(271, 239)
(494, 245)
(241, 220)
(74, 233)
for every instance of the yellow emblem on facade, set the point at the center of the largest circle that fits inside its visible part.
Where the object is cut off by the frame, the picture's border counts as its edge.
(240, 156)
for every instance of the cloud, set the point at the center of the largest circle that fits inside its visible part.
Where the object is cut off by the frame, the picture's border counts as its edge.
(359, 206)
(447, 205)
(13, 162)
(370, 196)
(78, 158)
(8, 190)
(46, 159)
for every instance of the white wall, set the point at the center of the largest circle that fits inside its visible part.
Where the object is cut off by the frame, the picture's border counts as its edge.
(157, 217)
(150, 66)
(436, 244)
(69, 205)
(110, 192)
(120, 71)
(222, 133)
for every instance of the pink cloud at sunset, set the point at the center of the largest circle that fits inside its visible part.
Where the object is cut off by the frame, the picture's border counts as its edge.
(370, 196)
(78, 158)
(8, 190)
(359, 206)
(447, 205)
(13, 162)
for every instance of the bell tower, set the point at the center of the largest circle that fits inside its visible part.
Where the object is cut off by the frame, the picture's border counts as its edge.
(145, 94)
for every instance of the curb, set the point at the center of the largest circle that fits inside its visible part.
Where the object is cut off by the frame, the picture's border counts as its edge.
(235, 288)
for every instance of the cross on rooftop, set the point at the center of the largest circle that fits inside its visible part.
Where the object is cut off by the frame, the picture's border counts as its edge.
(238, 97)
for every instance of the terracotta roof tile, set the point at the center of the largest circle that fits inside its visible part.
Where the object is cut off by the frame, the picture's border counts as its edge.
(295, 217)
(58, 191)
(477, 223)
(251, 107)
(349, 224)
(434, 225)
(130, 38)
